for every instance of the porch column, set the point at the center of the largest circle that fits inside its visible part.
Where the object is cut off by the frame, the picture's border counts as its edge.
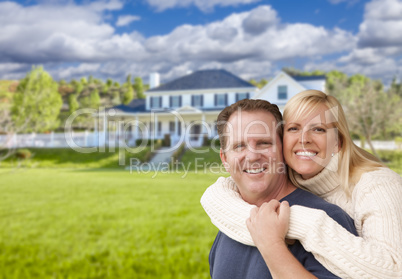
(95, 134)
(136, 134)
(203, 122)
(156, 127)
(105, 134)
(176, 128)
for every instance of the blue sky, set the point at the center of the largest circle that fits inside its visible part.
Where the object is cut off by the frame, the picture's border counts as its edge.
(251, 38)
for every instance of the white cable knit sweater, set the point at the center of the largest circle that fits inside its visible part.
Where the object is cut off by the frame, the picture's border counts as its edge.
(375, 206)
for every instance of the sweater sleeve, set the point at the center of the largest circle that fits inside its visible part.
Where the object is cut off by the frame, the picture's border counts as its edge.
(227, 210)
(376, 253)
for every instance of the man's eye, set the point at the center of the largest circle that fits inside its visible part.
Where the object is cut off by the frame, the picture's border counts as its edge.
(238, 146)
(266, 143)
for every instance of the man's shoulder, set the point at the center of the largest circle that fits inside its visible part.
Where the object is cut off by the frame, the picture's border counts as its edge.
(307, 199)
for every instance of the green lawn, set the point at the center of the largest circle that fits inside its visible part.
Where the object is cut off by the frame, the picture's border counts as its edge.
(105, 222)
(69, 158)
(60, 223)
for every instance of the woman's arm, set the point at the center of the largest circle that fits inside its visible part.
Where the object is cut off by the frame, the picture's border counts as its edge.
(227, 210)
(376, 254)
(268, 226)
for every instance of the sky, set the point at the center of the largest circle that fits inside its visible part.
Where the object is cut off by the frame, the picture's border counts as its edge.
(250, 38)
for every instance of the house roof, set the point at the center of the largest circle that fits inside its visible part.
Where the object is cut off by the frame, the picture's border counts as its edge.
(304, 78)
(204, 79)
(136, 105)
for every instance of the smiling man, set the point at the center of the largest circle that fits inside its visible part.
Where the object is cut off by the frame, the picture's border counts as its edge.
(251, 133)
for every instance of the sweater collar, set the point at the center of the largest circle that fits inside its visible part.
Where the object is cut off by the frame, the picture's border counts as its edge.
(325, 181)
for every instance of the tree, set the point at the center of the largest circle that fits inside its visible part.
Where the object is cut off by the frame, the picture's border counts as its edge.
(73, 104)
(368, 108)
(139, 88)
(260, 84)
(128, 93)
(36, 103)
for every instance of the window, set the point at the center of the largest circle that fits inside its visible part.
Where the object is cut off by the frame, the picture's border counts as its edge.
(221, 100)
(241, 96)
(197, 100)
(175, 101)
(282, 92)
(156, 102)
(172, 127)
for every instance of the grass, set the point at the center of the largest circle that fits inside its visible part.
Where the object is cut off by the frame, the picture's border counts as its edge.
(202, 158)
(69, 158)
(393, 159)
(58, 220)
(59, 223)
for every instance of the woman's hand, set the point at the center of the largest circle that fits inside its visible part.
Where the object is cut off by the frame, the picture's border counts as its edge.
(269, 224)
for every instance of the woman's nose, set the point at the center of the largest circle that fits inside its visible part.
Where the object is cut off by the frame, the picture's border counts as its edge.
(305, 137)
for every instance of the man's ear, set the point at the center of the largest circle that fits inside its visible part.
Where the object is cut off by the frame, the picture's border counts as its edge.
(223, 159)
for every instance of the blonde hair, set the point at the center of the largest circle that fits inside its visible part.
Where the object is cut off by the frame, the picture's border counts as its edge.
(353, 160)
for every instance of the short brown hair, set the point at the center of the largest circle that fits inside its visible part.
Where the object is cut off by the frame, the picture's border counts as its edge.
(248, 105)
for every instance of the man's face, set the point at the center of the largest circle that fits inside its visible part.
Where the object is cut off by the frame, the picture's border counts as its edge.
(253, 154)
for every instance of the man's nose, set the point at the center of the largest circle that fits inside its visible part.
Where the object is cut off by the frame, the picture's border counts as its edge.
(252, 154)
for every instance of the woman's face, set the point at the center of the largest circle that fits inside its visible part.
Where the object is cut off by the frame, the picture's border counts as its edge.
(309, 142)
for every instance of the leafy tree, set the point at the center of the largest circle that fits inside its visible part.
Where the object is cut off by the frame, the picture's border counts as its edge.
(260, 84)
(91, 101)
(36, 103)
(94, 99)
(139, 88)
(295, 72)
(91, 79)
(396, 87)
(369, 109)
(84, 81)
(72, 103)
(79, 87)
(128, 93)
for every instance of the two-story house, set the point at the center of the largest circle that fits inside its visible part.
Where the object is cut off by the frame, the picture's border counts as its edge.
(186, 108)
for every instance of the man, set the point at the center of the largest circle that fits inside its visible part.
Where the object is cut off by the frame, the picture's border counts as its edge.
(250, 133)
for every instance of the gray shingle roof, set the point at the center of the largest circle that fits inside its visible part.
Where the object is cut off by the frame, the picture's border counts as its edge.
(205, 79)
(136, 105)
(304, 78)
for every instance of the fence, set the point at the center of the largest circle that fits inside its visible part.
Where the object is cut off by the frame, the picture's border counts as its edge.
(80, 140)
(111, 139)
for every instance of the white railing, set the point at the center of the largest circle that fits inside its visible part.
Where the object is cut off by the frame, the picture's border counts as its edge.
(380, 145)
(93, 139)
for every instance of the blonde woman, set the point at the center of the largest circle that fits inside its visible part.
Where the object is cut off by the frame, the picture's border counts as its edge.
(323, 159)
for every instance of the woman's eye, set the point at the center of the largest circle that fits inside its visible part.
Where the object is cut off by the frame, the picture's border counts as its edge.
(292, 129)
(319, 129)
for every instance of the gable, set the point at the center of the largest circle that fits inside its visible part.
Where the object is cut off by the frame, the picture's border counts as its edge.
(270, 91)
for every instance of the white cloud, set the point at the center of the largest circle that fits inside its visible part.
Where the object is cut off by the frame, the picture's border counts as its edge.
(382, 25)
(126, 20)
(76, 40)
(203, 5)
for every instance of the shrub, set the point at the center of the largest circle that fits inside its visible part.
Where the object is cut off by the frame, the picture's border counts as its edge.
(148, 142)
(23, 154)
(166, 140)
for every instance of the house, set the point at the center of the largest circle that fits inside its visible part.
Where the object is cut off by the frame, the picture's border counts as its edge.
(186, 108)
(283, 87)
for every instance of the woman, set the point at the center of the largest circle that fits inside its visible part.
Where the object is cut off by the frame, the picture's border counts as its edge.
(323, 159)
